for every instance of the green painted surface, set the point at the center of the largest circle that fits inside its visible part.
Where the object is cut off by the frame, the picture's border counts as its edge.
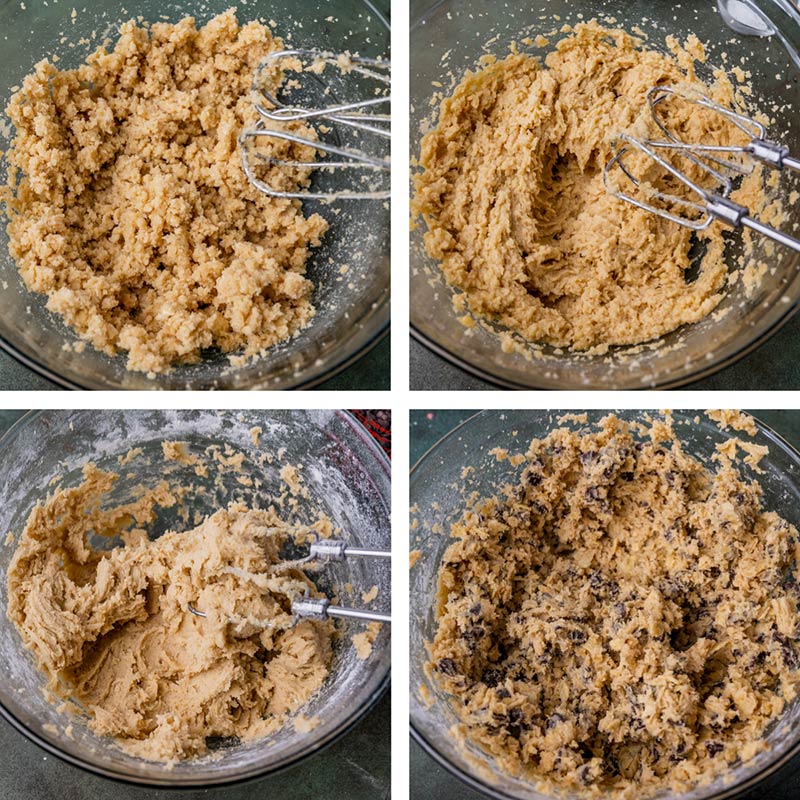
(357, 767)
(428, 779)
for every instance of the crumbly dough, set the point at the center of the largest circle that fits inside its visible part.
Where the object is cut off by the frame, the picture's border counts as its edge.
(363, 641)
(111, 630)
(731, 418)
(624, 619)
(129, 207)
(512, 194)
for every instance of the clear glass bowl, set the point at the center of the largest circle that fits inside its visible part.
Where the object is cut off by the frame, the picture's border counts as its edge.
(692, 351)
(434, 503)
(348, 478)
(352, 310)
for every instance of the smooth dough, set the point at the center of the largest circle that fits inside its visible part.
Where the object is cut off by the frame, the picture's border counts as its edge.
(511, 192)
(623, 619)
(129, 208)
(111, 629)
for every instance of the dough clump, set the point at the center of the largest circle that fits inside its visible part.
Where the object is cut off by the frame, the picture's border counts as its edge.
(112, 631)
(511, 192)
(622, 620)
(129, 208)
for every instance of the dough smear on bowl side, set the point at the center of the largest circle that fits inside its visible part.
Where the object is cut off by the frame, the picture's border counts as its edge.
(622, 619)
(512, 196)
(111, 630)
(129, 208)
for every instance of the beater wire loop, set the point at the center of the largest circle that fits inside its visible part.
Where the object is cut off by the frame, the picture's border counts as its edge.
(351, 135)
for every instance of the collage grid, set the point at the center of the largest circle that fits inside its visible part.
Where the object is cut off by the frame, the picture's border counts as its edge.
(191, 303)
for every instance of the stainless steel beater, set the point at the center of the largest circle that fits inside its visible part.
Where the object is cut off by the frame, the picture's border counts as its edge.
(759, 148)
(306, 607)
(362, 159)
(712, 205)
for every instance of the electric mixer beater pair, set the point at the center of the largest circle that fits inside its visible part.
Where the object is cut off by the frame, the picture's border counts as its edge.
(320, 608)
(719, 163)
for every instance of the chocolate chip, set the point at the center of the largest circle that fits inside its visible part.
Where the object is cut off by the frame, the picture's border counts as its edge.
(553, 720)
(491, 677)
(759, 659)
(655, 753)
(447, 667)
(790, 658)
(626, 476)
(533, 478)
(589, 457)
(579, 637)
(471, 635)
(515, 722)
(713, 748)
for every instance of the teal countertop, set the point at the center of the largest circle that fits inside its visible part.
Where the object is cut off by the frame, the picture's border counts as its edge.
(428, 779)
(357, 767)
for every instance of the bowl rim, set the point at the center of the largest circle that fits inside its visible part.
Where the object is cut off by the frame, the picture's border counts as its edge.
(346, 360)
(477, 784)
(676, 382)
(340, 362)
(260, 771)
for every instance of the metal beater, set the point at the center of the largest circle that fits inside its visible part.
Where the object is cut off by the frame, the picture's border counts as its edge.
(712, 205)
(354, 134)
(306, 607)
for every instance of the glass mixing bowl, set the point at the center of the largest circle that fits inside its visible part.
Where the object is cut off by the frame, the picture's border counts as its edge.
(352, 309)
(348, 478)
(435, 506)
(462, 29)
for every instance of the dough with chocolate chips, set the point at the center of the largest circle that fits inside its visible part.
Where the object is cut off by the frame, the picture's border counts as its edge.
(623, 619)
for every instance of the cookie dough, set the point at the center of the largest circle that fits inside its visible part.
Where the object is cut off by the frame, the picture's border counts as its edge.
(129, 208)
(111, 629)
(623, 619)
(511, 192)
